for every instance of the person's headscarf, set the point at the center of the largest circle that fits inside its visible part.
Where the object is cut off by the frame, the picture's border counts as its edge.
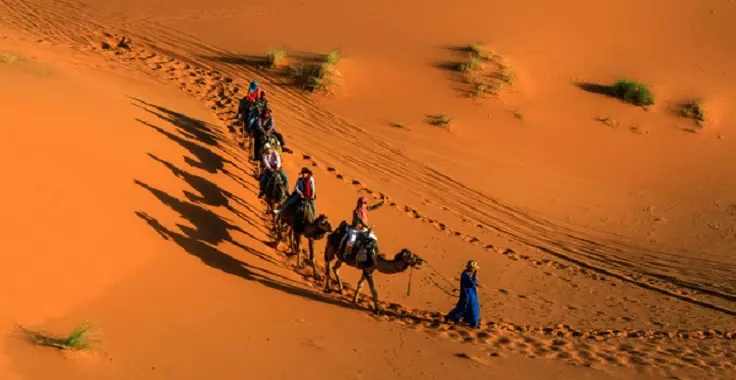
(472, 264)
(266, 113)
(362, 210)
(253, 86)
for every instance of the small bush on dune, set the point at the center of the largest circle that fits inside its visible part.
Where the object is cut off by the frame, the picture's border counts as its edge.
(76, 340)
(477, 50)
(473, 64)
(506, 76)
(317, 77)
(333, 57)
(275, 57)
(10, 58)
(633, 92)
(693, 110)
(438, 120)
(484, 81)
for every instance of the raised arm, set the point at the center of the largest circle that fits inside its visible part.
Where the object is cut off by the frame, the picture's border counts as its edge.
(376, 206)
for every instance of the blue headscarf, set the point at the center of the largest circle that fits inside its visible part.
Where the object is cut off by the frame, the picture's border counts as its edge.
(253, 86)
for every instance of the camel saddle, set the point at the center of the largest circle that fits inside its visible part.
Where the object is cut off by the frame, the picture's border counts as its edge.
(363, 251)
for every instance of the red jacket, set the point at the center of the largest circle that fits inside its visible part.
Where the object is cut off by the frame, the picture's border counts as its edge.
(253, 96)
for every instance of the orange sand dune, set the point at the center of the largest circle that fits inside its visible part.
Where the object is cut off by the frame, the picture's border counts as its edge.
(607, 251)
(101, 168)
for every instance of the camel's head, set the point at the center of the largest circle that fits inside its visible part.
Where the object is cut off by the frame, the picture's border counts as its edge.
(323, 223)
(410, 258)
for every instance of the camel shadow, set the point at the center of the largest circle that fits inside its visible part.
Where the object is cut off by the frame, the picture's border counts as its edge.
(206, 229)
(189, 130)
(217, 259)
(211, 194)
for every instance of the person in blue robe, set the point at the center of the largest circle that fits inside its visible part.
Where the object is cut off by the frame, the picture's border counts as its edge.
(467, 308)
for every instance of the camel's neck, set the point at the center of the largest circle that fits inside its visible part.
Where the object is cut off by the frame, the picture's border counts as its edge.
(313, 231)
(390, 266)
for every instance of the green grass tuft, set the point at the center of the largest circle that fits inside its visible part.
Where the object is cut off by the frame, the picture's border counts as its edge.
(275, 57)
(633, 92)
(78, 339)
(333, 57)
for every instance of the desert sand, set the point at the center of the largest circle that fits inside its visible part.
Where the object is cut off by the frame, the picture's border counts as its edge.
(605, 232)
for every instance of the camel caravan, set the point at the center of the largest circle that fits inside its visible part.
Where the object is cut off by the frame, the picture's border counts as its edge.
(294, 215)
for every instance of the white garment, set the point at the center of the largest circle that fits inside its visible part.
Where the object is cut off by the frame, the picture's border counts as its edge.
(352, 236)
(271, 160)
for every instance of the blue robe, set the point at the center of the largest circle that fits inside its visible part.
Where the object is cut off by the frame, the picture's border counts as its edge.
(467, 307)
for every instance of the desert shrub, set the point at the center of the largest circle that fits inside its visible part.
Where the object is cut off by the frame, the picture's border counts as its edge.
(313, 77)
(473, 64)
(476, 50)
(633, 92)
(10, 58)
(275, 57)
(77, 339)
(438, 120)
(333, 57)
(693, 110)
(506, 76)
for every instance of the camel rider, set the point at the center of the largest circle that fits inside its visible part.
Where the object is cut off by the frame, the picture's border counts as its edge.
(303, 190)
(254, 92)
(358, 224)
(267, 124)
(360, 214)
(255, 110)
(271, 166)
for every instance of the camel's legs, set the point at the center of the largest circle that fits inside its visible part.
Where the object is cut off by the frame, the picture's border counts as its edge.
(311, 258)
(374, 292)
(327, 275)
(337, 275)
(357, 288)
(295, 248)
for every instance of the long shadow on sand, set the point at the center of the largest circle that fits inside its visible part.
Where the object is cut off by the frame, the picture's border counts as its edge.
(211, 194)
(595, 88)
(217, 259)
(208, 229)
(190, 130)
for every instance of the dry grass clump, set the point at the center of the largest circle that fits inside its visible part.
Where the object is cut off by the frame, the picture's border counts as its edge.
(485, 71)
(77, 339)
(11, 58)
(439, 120)
(608, 121)
(318, 76)
(693, 110)
(275, 57)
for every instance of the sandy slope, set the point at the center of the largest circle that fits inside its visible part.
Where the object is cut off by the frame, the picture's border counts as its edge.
(554, 188)
(78, 246)
(659, 203)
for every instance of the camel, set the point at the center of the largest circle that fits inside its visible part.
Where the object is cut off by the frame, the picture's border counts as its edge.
(275, 193)
(299, 227)
(403, 260)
